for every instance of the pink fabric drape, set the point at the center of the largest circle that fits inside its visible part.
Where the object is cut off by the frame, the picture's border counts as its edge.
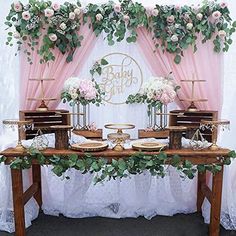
(203, 64)
(59, 69)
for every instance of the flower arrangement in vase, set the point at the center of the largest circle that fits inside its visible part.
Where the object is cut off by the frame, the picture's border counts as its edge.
(81, 92)
(157, 92)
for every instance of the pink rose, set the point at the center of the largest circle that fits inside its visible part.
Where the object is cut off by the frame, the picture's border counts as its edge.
(17, 6)
(72, 15)
(117, 8)
(99, 17)
(16, 35)
(177, 7)
(216, 15)
(155, 12)
(48, 12)
(222, 33)
(53, 37)
(223, 4)
(126, 18)
(56, 6)
(149, 10)
(26, 15)
(170, 19)
(174, 38)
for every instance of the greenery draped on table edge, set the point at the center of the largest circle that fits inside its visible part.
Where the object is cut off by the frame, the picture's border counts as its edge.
(44, 25)
(118, 168)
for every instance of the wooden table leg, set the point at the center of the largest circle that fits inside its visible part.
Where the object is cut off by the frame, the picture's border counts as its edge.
(200, 194)
(18, 202)
(36, 173)
(216, 203)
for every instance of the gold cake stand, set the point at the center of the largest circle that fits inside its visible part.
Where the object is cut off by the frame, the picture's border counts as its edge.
(21, 125)
(119, 137)
(213, 125)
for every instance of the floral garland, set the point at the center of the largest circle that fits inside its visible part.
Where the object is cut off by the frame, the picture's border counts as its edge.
(121, 168)
(174, 27)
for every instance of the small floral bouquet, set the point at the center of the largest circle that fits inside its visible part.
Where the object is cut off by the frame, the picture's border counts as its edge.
(155, 92)
(81, 91)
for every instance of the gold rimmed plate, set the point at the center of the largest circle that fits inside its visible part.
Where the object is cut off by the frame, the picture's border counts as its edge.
(148, 146)
(90, 146)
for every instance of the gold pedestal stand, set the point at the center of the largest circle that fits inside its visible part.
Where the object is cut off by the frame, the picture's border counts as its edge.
(20, 125)
(192, 100)
(213, 125)
(42, 107)
(119, 138)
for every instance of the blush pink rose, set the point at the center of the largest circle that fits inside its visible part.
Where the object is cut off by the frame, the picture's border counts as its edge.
(17, 6)
(26, 15)
(99, 17)
(126, 18)
(16, 35)
(155, 12)
(149, 10)
(48, 12)
(77, 11)
(53, 37)
(223, 5)
(170, 19)
(56, 6)
(216, 15)
(72, 15)
(222, 33)
(117, 8)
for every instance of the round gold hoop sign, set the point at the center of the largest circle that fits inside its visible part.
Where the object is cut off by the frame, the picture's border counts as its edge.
(120, 78)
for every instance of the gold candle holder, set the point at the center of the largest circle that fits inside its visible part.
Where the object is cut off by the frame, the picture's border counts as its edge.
(213, 126)
(20, 124)
(119, 138)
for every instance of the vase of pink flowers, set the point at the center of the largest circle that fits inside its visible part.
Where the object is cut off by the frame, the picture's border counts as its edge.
(80, 93)
(157, 93)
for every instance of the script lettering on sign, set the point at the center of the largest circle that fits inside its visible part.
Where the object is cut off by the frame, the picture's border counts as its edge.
(121, 77)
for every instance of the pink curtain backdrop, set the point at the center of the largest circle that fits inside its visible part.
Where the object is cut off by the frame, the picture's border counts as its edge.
(203, 64)
(58, 69)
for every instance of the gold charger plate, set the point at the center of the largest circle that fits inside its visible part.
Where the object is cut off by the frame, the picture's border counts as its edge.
(149, 146)
(90, 146)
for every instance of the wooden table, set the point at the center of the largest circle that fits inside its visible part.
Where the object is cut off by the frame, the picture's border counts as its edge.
(20, 198)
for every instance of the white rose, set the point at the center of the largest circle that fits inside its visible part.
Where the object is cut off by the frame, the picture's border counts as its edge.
(99, 17)
(77, 11)
(63, 26)
(222, 33)
(72, 15)
(16, 35)
(174, 38)
(199, 16)
(155, 12)
(189, 26)
(53, 37)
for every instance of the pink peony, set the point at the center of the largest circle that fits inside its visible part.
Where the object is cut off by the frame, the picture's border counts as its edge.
(26, 15)
(87, 89)
(155, 12)
(117, 8)
(199, 16)
(53, 37)
(126, 18)
(223, 5)
(222, 33)
(56, 6)
(99, 17)
(48, 12)
(17, 6)
(216, 15)
(170, 19)
(77, 11)
(174, 38)
(72, 15)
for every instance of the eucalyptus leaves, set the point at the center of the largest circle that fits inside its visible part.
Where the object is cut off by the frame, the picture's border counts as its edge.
(118, 168)
(174, 28)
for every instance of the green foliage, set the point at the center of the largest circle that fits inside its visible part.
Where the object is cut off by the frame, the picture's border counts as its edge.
(173, 29)
(97, 67)
(118, 168)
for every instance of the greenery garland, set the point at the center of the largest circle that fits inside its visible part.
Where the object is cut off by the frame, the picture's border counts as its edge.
(118, 168)
(174, 28)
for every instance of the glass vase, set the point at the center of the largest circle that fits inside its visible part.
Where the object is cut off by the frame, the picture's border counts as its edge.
(81, 117)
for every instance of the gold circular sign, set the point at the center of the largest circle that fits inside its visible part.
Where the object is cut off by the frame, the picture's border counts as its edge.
(120, 78)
